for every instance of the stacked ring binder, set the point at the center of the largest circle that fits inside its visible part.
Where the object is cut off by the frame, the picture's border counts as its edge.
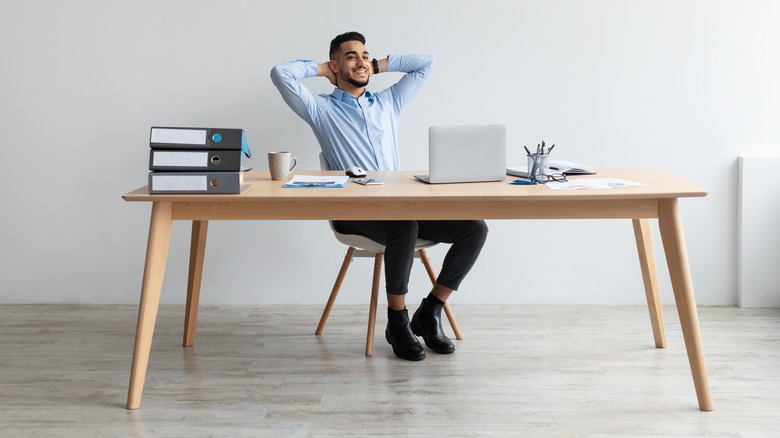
(196, 160)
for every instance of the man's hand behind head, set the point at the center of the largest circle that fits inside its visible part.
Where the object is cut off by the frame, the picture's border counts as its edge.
(325, 70)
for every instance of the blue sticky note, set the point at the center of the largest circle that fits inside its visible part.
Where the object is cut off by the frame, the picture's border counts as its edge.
(524, 182)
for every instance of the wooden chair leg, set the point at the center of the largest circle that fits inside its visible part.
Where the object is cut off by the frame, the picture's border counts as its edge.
(372, 308)
(453, 322)
(427, 263)
(432, 275)
(334, 293)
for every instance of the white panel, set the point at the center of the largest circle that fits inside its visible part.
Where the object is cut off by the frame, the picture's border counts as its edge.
(181, 159)
(173, 182)
(759, 233)
(179, 136)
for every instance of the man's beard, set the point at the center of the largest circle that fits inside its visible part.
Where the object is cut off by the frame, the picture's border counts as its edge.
(355, 82)
(358, 83)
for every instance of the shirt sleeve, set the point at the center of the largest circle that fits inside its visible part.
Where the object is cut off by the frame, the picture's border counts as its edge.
(417, 68)
(287, 79)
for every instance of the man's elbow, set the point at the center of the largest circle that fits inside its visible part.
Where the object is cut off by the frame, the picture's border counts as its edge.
(277, 75)
(428, 66)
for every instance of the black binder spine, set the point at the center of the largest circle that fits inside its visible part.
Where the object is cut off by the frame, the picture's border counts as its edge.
(195, 160)
(161, 137)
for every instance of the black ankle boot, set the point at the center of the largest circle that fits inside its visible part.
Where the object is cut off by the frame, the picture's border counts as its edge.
(400, 336)
(426, 322)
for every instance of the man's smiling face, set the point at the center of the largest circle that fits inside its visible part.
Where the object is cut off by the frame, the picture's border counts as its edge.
(353, 64)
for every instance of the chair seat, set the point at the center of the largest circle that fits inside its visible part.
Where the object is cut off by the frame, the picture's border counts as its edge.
(364, 243)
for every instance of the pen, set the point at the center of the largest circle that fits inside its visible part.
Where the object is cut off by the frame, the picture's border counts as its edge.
(527, 151)
(550, 150)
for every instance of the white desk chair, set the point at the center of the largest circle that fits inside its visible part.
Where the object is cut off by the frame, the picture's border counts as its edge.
(362, 246)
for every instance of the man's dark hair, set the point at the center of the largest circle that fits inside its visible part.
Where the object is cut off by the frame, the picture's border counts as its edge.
(335, 45)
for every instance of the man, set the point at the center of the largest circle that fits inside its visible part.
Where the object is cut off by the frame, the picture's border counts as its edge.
(356, 127)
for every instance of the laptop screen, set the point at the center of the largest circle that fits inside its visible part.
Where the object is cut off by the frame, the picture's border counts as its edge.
(467, 153)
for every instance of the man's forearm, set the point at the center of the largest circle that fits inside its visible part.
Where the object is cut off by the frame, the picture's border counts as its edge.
(323, 69)
(422, 64)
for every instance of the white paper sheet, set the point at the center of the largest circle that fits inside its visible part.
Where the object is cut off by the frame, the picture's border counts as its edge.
(592, 184)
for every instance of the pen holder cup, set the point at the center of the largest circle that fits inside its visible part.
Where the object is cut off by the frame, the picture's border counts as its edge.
(538, 167)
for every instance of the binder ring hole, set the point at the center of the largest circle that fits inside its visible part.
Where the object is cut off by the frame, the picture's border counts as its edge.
(214, 182)
(215, 159)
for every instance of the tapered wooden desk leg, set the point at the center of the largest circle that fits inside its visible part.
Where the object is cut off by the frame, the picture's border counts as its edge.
(154, 270)
(197, 253)
(644, 246)
(677, 258)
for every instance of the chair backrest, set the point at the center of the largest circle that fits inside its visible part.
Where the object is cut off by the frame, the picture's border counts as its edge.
(323, 162)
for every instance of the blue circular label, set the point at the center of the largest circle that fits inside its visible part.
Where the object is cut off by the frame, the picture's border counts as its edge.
(217, 138)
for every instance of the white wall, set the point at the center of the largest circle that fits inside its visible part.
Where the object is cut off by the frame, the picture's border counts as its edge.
(686, 85)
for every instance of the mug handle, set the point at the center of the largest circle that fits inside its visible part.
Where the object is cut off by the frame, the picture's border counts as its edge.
(293, 163)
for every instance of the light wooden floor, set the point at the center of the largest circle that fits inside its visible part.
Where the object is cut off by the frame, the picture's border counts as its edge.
(260, 371)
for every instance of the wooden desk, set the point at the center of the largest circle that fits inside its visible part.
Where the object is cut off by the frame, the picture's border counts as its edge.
(402, 197)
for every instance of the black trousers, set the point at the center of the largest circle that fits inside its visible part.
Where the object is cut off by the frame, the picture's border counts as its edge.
(400, 237)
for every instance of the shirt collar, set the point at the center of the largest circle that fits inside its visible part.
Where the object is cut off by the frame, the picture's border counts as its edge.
(343, 96)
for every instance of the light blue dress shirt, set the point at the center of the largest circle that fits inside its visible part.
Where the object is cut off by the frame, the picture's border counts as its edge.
(353, 131)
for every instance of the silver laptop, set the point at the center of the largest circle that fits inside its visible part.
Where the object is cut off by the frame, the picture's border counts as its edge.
(458, 154)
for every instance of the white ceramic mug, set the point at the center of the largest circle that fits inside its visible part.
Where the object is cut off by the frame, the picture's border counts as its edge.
(281, 164)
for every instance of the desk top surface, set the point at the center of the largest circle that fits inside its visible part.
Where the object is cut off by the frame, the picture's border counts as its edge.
(402, 185)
